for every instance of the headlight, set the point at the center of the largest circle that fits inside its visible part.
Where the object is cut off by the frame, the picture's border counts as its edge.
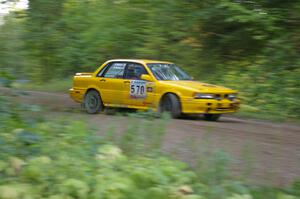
(204, 96)
(232, 96)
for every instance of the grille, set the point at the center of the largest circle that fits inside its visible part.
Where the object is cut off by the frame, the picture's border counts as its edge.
(222, 96)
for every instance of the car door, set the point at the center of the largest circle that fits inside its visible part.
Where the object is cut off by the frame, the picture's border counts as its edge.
(137, 92)
(111, 84)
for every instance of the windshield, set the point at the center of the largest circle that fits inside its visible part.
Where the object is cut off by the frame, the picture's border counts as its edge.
(163, 71)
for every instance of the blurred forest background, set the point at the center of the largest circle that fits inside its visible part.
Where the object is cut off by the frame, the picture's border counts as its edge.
(249, 45)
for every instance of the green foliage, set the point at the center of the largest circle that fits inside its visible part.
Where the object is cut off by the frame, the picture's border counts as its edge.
(63, 165)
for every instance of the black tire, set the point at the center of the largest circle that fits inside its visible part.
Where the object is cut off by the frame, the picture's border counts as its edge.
(170, 103)
(211, 117)
(92, 102)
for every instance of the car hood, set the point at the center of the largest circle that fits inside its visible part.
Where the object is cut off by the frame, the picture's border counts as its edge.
(199, 86)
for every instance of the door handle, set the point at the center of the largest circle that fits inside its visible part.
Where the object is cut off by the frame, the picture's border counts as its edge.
(102, 80)
(126, 82)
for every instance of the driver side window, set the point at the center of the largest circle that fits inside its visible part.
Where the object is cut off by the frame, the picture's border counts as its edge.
(134, 71)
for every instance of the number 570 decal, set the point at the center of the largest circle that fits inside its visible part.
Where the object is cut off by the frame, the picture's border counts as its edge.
(138, 89)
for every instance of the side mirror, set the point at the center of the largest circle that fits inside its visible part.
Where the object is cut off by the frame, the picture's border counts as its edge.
(146, 77)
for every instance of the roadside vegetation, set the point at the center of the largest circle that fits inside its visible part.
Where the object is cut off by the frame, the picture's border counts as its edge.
(252, 46)
(63, 159)
(54, 85)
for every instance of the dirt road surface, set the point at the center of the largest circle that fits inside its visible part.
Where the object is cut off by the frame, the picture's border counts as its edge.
(262, 152)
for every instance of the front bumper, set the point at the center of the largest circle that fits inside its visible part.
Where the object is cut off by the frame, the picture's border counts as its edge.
(211, 106)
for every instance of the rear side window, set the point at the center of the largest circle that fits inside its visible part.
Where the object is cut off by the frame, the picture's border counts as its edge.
(115, 70)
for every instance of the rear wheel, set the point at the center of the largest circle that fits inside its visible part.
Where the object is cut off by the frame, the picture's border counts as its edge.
(170, 103)
(212, 117)
(92, 102)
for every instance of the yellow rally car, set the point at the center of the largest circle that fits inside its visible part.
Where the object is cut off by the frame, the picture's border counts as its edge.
(147, 84)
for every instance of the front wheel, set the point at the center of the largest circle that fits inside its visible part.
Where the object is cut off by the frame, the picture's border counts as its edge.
(212, 117)
(92, 102)
(170, 103)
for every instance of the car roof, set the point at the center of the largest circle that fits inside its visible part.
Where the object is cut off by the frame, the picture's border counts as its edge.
(142, 61)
